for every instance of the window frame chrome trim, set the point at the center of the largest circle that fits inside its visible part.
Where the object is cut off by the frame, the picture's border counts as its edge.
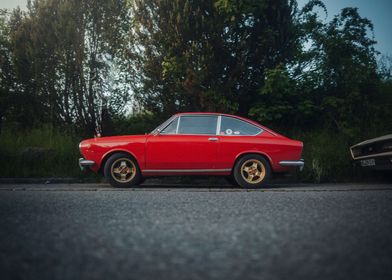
(244, 121)
(161, 127)
(198, 115)
(178, 124)
(218, 125)
(174, 118)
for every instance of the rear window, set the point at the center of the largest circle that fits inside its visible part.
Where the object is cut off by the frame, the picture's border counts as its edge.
(233, 126)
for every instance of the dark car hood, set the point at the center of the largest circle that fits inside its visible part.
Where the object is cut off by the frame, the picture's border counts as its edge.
(373, 140)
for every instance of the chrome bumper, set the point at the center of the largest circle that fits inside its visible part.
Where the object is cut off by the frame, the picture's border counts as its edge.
(295, 163)
(84, 163)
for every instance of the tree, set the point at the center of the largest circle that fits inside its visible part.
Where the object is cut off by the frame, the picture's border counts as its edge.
(207, 55)
(332, 80)
(66, 56)
(6, 71)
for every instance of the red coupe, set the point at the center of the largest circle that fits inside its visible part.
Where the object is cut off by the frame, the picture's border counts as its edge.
(194, 144)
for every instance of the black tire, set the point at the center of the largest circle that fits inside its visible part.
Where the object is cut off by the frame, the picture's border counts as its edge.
(259, 174)
(231, 180)
(114, 170)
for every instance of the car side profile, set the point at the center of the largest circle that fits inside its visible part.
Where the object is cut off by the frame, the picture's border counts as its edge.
(194, 144)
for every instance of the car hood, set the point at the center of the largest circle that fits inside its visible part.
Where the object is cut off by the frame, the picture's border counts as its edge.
(126, 139)
(371, 141)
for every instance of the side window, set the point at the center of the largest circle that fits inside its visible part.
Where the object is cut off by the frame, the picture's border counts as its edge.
(233, 126)
(198, 125)
(171, 128)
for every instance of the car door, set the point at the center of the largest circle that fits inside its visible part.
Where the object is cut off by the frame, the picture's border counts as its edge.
(189, 142)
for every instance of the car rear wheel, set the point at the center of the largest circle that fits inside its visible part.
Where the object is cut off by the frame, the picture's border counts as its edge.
(252, 171)
(122, 171)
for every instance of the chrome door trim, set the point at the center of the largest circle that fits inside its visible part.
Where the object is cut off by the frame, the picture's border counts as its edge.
(184, 170)
(218, 126)
(178, 124)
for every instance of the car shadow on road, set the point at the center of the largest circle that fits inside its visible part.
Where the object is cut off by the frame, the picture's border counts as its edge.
(200, 183)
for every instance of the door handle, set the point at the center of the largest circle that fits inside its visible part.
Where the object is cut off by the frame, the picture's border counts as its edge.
(213, 139)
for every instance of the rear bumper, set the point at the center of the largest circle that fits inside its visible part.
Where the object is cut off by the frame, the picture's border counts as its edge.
(293, 163)
(84, 163)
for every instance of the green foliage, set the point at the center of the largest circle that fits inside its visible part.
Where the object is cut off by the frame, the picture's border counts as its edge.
(138, 123)
(63, 55)
(207, 55)
(332, 83)
(40, 152)
(327, 157)
(277, 96)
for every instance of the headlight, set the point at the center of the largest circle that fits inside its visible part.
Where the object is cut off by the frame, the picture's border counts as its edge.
(356, 152)
(386, 147)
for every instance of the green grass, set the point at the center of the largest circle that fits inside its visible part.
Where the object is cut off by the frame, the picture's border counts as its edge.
(327, 157)
(50, 152)
(40, 152)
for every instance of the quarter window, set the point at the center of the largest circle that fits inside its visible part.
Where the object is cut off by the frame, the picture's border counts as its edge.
(197, 125)
(171, 128)
(233, 126)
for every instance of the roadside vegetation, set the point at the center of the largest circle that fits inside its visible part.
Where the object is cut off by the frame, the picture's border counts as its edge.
(69, 68)
(51, 152)
(38, 152)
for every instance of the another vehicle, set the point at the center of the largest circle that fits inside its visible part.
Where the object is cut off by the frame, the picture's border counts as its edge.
(194, 144)
(374, 153)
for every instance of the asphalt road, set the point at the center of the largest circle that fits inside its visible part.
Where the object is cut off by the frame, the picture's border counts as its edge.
(164, 232)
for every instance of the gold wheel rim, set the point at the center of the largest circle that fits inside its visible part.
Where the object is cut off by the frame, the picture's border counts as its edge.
(253, 171)
(123, 170)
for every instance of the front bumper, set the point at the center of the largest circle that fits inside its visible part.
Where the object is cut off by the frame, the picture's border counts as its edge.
(84, 163)
(376, 162)
(293, 163)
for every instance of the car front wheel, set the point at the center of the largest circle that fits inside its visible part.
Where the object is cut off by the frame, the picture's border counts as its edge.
(122, 171)
(252, 171)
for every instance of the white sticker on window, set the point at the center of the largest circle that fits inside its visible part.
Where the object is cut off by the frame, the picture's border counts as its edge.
(229, 131)
(236, 132)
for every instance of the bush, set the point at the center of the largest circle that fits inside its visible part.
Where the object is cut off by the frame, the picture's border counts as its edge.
(39, 152)
(327, 157)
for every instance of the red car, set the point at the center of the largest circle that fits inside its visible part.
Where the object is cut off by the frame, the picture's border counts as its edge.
(194, 144)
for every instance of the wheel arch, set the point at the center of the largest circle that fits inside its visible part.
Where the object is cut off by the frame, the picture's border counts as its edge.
(239, 156)
(112, 152)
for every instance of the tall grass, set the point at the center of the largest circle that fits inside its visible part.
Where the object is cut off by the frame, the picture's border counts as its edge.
(327, 157)
(50, 152)
(39, 152)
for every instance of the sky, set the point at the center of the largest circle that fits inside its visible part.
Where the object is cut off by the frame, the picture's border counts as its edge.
(378, 11)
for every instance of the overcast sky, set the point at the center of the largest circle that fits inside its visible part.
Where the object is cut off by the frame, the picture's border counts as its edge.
(378, 11)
